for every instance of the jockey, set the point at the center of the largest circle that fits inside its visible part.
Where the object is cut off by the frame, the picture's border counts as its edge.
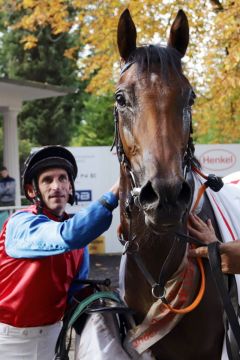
(42, 252)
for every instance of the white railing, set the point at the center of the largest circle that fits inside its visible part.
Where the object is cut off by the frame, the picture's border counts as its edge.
(11, 209)
(6, 211)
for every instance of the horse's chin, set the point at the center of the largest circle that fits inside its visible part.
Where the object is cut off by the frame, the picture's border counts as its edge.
(157, 226)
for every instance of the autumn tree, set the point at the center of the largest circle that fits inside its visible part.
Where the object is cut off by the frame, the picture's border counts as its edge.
(218, 111)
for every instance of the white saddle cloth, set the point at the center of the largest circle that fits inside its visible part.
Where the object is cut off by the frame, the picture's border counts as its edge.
(100, 341)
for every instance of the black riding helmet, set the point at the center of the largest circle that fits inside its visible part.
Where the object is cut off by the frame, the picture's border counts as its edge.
(52, 156)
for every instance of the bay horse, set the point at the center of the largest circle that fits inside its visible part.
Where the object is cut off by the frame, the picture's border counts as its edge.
(156, 153)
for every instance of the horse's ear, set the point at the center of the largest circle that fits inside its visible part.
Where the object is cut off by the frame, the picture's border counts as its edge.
(126, 35)
(179, 33)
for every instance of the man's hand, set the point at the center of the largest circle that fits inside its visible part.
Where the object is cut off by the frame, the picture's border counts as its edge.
(230, 252)
(201, 230)
(115, 189)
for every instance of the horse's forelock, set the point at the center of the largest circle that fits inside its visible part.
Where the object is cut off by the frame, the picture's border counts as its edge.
(150, 57)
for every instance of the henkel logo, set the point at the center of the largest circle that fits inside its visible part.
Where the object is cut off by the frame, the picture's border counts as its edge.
(218, 159)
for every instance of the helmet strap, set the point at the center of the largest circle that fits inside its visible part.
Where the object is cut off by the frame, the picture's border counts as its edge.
(72, 194)
(37, 198)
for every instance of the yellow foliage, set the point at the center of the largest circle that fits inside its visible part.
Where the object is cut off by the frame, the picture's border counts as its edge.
(29, 41)
(220, 113)
(40, 13)
(28, 4)
(71, 53)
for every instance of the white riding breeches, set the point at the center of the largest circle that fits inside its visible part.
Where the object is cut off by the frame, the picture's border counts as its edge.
(30, 343)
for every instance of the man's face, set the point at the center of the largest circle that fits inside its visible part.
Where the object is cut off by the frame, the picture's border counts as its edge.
(4, 173)
(55, 187)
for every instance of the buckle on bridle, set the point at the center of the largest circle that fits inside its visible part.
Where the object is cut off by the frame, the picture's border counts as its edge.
(158, 292)
(130, 247)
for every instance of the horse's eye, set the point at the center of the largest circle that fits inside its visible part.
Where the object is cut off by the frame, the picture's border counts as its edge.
(120, 99)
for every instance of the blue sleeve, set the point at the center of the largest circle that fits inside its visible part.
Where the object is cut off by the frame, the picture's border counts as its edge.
(30, 236)
(81, 275)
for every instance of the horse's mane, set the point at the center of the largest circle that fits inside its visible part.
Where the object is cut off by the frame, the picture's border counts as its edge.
(166, 58)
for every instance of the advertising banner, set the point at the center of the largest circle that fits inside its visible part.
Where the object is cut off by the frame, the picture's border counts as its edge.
(219, 159)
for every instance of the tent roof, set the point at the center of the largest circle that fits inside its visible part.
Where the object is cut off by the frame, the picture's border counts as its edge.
(17, 91)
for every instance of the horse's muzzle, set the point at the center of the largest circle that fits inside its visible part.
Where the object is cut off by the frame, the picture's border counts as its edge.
(165, 202)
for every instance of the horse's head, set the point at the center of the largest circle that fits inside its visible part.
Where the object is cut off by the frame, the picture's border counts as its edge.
(153, 109)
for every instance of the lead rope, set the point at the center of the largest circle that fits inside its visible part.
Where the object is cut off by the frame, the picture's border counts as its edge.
(198, 298)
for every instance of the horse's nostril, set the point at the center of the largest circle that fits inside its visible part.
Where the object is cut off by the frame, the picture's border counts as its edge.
(185, 193)
(153, 194)
(147, 195)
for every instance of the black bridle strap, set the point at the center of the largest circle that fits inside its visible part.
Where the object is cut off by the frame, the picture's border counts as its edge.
(138, 260)
(166, 271)
(158, 288)
(232, 315)
(190, 239)
(126, 66)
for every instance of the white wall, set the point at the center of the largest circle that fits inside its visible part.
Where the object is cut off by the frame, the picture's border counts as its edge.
(98, 170)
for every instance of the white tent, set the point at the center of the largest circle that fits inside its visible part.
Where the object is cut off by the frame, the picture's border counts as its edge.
(12, 95)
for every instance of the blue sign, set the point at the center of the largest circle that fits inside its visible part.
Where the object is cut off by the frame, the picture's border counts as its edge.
(83, 195)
